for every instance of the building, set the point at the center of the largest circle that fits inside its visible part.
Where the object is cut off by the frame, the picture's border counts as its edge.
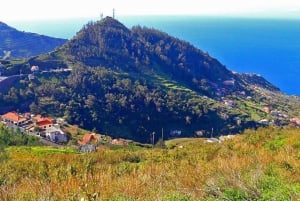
(38, 125)
(35, 68)
(87, 148)
(43, 122)
(90, 138)
(89, 142)
(55, 134)
(13, 118)
(119, 142)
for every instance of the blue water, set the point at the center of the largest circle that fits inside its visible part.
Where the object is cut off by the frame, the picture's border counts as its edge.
(269, 47)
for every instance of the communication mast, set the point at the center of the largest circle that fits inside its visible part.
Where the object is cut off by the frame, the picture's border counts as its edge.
(113, 13)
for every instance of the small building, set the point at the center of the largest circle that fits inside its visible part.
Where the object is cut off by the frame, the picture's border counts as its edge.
(295, 121)
(87, 148)
(89, 142)
(264, 122)
(119, 142)
(199, 133)
(88, 138)
(13, 118)
(55, 135)
(34, 69)
(31, 76)
(43, 122)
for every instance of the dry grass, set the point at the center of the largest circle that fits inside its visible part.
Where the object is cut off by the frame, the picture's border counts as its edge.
(254, 166)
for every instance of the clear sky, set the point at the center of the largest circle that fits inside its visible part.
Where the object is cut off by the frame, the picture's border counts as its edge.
(53, 9)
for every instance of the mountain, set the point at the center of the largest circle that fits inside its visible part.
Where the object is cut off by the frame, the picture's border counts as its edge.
(133, 83)
(18, 44)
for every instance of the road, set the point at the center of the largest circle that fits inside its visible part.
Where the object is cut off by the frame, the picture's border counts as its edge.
(2, 78)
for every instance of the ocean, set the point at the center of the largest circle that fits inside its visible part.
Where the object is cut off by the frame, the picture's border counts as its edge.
(269, 47)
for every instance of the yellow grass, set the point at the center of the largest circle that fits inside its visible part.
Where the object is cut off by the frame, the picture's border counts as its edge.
(255, 166)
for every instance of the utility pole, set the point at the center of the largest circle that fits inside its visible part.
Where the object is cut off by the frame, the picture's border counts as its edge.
(162, 134)
(153, 134)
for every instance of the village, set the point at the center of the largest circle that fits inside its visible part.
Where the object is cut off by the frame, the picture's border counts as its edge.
(50, 132)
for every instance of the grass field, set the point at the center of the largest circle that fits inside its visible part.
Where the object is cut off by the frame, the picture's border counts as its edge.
(258, 165)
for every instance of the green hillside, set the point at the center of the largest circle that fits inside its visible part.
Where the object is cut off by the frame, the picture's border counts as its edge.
(19, 44)
(130, 83)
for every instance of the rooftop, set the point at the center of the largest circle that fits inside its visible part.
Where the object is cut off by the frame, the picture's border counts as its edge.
(13, 116)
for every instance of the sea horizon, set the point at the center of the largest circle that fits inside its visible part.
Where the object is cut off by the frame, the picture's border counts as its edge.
(264, 46)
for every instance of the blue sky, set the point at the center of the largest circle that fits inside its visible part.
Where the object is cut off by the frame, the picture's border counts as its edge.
(56, 9)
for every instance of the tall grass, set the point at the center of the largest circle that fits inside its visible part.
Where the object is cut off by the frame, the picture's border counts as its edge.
(258, 165)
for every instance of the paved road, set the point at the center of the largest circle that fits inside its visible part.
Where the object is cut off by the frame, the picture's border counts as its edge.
(2, 78)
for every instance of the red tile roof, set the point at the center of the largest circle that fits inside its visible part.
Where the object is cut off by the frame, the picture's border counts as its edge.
(45, 122)
(13, 116)
(119, 142)
(89, 137)
(40, 118)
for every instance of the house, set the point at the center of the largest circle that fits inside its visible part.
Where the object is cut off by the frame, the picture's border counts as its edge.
(31, 76)
(43, 122)
(34, 68)
(13, 118)
(89, 141)
(119, 142)
(264, 122)
(50, 130)
(87, 148)
(200, 133)
(295, 121)
(90, 138)
(54, 134)
(31, 124)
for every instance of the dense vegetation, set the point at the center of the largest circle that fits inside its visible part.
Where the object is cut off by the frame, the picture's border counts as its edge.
(258, 165)
(117, 104)
(18, 44)
(132, 82)
(10, 137)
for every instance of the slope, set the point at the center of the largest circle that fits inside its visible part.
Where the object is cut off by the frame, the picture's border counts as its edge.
(132, 83)
(17, 44)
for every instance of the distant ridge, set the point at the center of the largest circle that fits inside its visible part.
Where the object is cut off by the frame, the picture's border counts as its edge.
(16, 44)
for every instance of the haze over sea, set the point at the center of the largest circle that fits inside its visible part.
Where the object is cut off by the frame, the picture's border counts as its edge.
(269, 47)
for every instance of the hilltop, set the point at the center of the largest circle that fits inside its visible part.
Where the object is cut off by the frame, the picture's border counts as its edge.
(131, 83)
(19, 44)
